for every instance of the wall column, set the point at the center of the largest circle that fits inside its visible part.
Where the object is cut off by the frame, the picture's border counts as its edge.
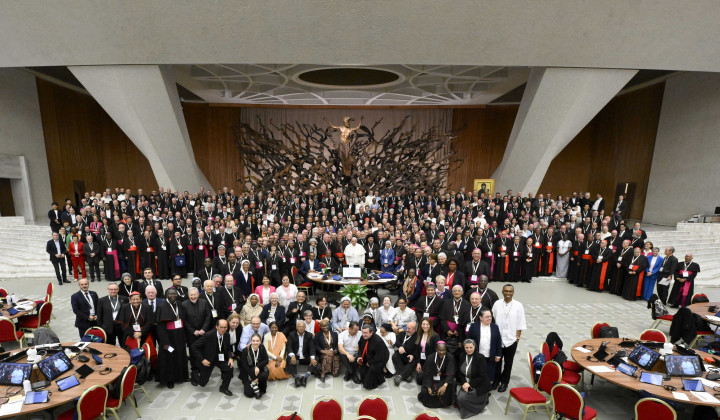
(144, 103)
(556, 105)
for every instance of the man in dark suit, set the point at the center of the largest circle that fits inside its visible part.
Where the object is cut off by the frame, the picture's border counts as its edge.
(493, 352)
(182, 291)
(620, 207)
(92, 257)
(107, 312)
(198, 320)
(404, 357)
(300, 351)
(148, 281)
(311, 265)
(152, 300)
(55, 217)
(212, 350)
(57, 251)
(84, 305)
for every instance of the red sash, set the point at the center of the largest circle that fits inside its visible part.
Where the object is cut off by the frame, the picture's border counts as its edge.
(635, 268)
(549, 249)
(137, 258)
(602, 275)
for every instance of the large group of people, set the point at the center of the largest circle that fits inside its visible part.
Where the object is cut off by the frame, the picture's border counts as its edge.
(247, 253)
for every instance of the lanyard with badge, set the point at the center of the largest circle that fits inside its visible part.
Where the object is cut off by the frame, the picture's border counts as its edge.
(468, 362)
(426, 314)
(115, 307)
(212, 304)
(178, 322)
(221, 355)
(136, 326)
(439, 367)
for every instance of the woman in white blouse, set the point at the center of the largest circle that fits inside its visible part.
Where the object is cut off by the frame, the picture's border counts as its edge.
(286, 292)
(402, 316)
(387, 309)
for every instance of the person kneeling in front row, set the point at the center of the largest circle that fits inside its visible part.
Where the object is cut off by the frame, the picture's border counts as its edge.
(253, 368)
(212, 350)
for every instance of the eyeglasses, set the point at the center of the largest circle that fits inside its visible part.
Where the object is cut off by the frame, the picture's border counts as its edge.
(670, 388)
(10, 392)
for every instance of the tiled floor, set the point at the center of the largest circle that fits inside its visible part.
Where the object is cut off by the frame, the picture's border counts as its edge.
(550, 305)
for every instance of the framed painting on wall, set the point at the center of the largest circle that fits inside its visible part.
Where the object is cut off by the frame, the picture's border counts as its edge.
(484, 185)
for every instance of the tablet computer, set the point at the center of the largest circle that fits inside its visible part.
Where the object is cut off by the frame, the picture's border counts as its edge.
(683, 365)
(693, 385)
(626, 369)
(36, 397)
(644, 357)
(14, 373)
(67, 383)
(651, 378)
(55, 365)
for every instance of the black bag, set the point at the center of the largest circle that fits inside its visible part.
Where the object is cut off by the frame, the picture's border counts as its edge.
(143, 371)
(180, 260)
(608, 332)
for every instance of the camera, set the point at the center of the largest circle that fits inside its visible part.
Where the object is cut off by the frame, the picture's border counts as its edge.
(255, 388)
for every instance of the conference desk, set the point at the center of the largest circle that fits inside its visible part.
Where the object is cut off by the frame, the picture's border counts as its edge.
(702, 309)
(626, 381)
(58, 398)
(4, 310)
(318, 278)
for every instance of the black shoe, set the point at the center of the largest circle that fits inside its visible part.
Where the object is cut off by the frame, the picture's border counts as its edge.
(357, 381)
(170, 385)
(60, 283)
(322, 378)
(494, 386)
(226, 392)
(347, 377)
(68, 281)
(397, 380)
(502, 387)
(297, 382)
(303, 381)
(193, 382)
(408, 379)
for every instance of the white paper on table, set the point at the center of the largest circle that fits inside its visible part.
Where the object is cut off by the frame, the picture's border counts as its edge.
(680, 396)
(12, 407)
(582, 349)
(706, 397)
(712, 318)
(706, 382)
(599, 369)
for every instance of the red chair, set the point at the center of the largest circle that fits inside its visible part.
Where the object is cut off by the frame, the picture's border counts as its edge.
(146, 354)
(595, 331)
(653, 335)
(567, 402)
(374, 407)
(567, 365)
(532, 398)
(127, 383)
(9, 334)
(427, 415)
(699, 298)
(327, 408)
(97, 332)
(3, 292)
(287, 415)
(48, 294)
(33, 322)
(658, 320)
(654, 409)
(365, 417)
(91, 405)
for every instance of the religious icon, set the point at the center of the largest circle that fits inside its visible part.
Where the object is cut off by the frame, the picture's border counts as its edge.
(486, 186)
(344, 147)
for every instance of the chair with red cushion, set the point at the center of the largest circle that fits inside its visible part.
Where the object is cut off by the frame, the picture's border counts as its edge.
(374, 407)
(658, 320)
(570, 376)
(567, 365)
(365, 417)
(287, 415)
(33, 322)
(48, 296)
(146, 355)
(699, 298)
(567, 402)
(427, 415)
(654, 409)
(306, 287)
(700, 335)
(97, 332)
(91, 405)
(8, 333)
(127, 384)
(595, 330)
(532, 398)
(327, 408)
(653, 335)
(3, 292)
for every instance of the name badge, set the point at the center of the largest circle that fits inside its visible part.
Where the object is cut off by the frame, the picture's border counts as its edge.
(619, 259)
(179, 246)
(436, 378)
(370, 254)
(456, 319)
(92, 313)
(685, 273)
(529, 254)
(386, 261)
(222, 242)
(600, 258)
(503, 248)
(467, 328)
(274, 266)
(148, 250)
(214, 313)
(163, 247)
(515, 254)
(587, 251)
(201, 247)
(292, 260)
(178, 323)
(221, 357)
(136, 327)
(426, 314)
(422, 356)
(211, 242)
(473, 277)
(489, 254)
(233, 306)
(284, 259)
(170, 349)
(259, 264)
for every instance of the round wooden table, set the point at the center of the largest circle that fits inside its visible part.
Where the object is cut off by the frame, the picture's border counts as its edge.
(626, 381)
(4, 310)
(58, 398)
(318, 278)
(702, 309)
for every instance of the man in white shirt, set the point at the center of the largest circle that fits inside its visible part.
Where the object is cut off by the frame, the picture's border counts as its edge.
(348, 347)
(509, 315)
(354, 253)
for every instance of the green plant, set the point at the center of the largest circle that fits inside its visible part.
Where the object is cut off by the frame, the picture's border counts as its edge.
(357, 294)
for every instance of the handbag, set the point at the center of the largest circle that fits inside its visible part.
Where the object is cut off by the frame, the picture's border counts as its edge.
(180, 261)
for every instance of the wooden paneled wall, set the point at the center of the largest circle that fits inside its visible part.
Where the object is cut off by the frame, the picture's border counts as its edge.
(480, 144)
(616, 146)
(211, 135)
(83, 143)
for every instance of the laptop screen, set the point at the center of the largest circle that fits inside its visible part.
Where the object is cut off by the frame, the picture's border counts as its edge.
(55, 365)
(352, 272)
(14, 373)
